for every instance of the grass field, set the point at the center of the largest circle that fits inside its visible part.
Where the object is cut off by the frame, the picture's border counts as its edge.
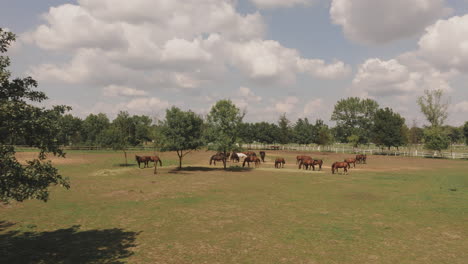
(391, 210)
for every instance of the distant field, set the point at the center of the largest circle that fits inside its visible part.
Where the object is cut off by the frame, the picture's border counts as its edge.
(391, 210)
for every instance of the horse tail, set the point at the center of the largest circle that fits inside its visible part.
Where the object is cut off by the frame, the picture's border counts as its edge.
(243, 163)
(333, 168)
(160, 162)
(300, 164)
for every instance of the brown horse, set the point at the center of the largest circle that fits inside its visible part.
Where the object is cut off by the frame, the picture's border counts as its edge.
(361, 158)
(253, 159)
(217, 157)
(142, 159)
(349, 161)
(317, 162)
(235, 157)
(279, 163)
(300, 158)
(156, 159)
(306, 163)
(337, 165)
(262, 155)
(250, 153)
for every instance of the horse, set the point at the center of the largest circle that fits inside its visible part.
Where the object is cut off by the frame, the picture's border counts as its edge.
(156, 159)
(262, 155)
(217, 157)
(361, 158)
(279, 163)
(317, 162)
(306, 163)
(241, 155)
(337, 165)
(300, 158)
(250, 153)
(235, 157)
(249, 159)
(349, 161)
(142, 159)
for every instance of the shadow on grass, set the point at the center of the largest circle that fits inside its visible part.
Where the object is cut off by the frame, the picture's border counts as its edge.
(208, 169)
(66, 246)
(126, 165)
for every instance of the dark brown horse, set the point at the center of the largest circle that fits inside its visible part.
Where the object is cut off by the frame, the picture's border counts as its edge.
(317, 162)
(250, 159)
(142, 159)
(337, 165)
(250, 153)
(300, 158)
(217, 157)
(156, 159)
(262, 155)
(279, 163)
(235, 157)
(306, 163)
(349, 161)
(361, 158)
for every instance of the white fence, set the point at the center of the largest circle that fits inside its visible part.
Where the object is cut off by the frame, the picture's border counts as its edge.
(407, 152)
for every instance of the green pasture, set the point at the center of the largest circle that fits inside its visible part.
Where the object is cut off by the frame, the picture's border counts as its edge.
(391, 210)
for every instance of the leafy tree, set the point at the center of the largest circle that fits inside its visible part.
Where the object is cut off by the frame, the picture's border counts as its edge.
(37, 126)
(142, 131)
(388, 129)
(434, 107)
(224, 121)
(415, 135)
(182, 132)
(119, 134)
(465, 132)
(455, 134)
(435, 139)
(70, 132)
(247, 133)
(265, 132)
(304, 132)
(285, 131)
(324, 136)
(93, 128)
(354, 117)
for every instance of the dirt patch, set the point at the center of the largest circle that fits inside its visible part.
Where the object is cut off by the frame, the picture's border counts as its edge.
(111, 172)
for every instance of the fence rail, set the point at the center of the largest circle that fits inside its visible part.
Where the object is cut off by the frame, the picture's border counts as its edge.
(372, 151)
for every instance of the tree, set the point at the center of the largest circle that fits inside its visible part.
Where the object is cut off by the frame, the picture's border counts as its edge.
(304, 132)
(93, 129)
(285, 131)
(70, 130)
(434, 107)
(224, 121)
(182, 132)
(388, 129)
(37, 126)
(354, 117)
(119, 134)
(324, 136)
(465, 132)
(435, 139)
(415, 135)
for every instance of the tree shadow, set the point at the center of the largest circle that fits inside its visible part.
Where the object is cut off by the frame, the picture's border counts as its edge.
(67, 246)
(126, 165)
(184, 170)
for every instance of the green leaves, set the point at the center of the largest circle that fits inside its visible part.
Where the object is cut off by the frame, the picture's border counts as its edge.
(389, 129)
(435, 139)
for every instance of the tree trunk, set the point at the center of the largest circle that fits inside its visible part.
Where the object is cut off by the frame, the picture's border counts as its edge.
(125, 153)
(180, 159)
(224, 160)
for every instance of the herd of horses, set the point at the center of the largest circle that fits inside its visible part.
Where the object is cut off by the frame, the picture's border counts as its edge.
(305, 162)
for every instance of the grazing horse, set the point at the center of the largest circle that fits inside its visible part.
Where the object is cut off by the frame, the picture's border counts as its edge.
(217, 157)
(262, 155)
(301, 158)
(241, 155)
(361, 158)
(250, 153)
(337, 165)
(142, 159)
(279, 163)
(253, 159)
(235, 157)
(306, 163)
(349, 161)
(317, 162)
(156, 159)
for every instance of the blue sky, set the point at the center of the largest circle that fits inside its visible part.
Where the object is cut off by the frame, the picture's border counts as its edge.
(270, 57)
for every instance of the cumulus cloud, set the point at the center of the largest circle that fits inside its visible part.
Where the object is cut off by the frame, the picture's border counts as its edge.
(313, 106)
(286, 105)
(461, 107)
(116, 90)
(383, 21)
(393, 78)
(160, 43)
(249, 95)
(445, 44)
(280, 3)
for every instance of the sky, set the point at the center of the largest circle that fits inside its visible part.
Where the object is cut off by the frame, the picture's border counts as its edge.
(270, 57)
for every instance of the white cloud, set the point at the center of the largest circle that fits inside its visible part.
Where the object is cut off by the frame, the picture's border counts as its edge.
(287, 105)
(445, 44)
(165, 44)
(280, 3)
(247, 94)
(392, 78)
(115, 90)
(313, 106)
(461, 107)
(383, 21)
